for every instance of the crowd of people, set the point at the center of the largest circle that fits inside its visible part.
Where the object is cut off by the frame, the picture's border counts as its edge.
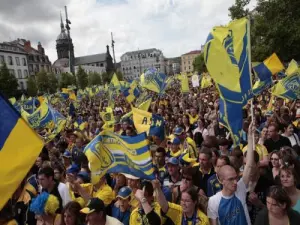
(201, 178)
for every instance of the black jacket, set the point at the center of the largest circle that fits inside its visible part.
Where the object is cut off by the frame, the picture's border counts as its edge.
(263, 218)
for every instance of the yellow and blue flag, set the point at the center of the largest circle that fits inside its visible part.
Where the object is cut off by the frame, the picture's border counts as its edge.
(227, 58)
(147, 122)
(292, 68)
(185, 89)
(152, 80)
(31, 105)
(19, 148)
(269, 67)
(132, 92)
(111, 153)
(205, 81)
(260, 86)
(288, 88)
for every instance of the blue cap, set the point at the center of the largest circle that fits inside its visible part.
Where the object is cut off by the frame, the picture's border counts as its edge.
(73, 169)
(176, 141)
(269, 113)
(84, 176)
(124, 192)
(173, 161)
(67, 154)
(178, 131)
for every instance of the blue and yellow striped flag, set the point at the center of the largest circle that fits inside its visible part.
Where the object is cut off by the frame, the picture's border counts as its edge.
(227, 58)
(132, 92)
(288, 88)
(152, 80)
(269, 67)
(111, 153)
(19, 148)
(147, 122)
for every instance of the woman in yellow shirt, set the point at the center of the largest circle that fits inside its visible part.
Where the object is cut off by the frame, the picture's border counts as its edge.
(187, 213)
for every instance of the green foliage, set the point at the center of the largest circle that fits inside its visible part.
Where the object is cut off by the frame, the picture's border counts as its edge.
(53, 83)
(238, 10)
(274, 28)
(119, 75)
(82, 78)
(42, 81)
(94, 79)
(8, 82)
(105, 78)
(66, 80)
(31, 86)
(199, 64)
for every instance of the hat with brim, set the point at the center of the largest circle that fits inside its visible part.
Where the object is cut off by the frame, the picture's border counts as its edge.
(94, 205)
(173, 161)
(124, 193)
(129, 176)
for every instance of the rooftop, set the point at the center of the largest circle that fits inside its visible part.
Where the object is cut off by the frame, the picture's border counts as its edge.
(90, 59)
(193, 52)
(150, 50)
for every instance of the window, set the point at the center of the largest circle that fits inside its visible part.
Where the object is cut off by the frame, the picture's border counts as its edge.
(24, 62)
(17, 61)
(2, 60)
(31, 58)
(19, 74)
(36, 68)
(30, 68)
(22, 85)
(25, 73)
(185, 68)
(10, 60)
(12, 72)
(47, 68)
(189, 67)
(101, 64)
(189, 62)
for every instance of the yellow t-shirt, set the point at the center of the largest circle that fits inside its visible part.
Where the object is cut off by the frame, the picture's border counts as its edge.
(133, 202)
(136, 218)
(189, 146)
(12, 222)
(175, 214)
(105, 193)
(260, 149)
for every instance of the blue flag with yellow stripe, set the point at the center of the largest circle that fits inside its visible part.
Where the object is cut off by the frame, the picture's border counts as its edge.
(111, 153)
(19, 148)
(132, 92)
(288, 88)
(153, 80)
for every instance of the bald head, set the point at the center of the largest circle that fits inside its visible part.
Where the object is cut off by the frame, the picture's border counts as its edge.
(226, 171)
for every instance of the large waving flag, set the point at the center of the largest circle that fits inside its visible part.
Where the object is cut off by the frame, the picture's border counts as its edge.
(111, 153)
(227, 58)
(260, 86)
(147, 122)
(30, 105)
(19, 148)
(154, 81)
(288, 88)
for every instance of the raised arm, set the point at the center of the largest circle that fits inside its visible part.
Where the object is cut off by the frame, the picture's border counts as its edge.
(250, 155)
(160, 197)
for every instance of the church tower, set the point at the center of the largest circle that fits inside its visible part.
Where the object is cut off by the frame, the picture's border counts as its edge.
(64, 44)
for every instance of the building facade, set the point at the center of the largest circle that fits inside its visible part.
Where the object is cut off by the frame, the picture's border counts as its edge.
(134, 63)
(37, 59)
(173, 65)
(16, 61)
(187, 60)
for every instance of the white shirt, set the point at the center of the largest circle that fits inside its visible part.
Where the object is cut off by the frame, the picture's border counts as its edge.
(64, 193)
(230, 209)
(293, 139)
(112, 221)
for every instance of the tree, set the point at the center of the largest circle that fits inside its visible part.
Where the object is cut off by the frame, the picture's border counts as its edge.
(94, 79)
(119, 75)
(82, 78)
(31, 86)
(8, 82)
(105, 78)
(66, 80)
(42, 81)
(199, 64)
(238, 10)
(274, 28)
(53, 83)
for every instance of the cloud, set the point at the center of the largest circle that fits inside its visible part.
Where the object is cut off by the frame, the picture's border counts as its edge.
(174, 26)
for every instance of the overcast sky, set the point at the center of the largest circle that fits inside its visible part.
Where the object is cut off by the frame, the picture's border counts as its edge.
(174, 26)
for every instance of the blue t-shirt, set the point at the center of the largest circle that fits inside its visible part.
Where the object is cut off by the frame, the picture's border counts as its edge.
(121, 216)
(230, 210)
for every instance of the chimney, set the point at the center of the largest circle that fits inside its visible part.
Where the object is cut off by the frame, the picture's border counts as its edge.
(27, 46)
(107, 49)
(40, 48)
